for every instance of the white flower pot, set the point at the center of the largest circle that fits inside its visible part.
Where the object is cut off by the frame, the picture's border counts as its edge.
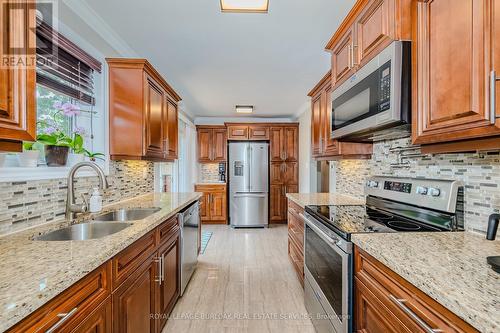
(75, 158)
(28, 159)
(2, 160)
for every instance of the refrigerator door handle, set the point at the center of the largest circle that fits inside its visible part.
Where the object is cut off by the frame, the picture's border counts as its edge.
(249, 195)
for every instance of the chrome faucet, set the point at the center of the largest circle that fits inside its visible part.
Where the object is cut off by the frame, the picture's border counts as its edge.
(71, 207)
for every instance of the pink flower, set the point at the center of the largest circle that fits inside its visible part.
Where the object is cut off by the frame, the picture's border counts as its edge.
(80, 130)
(70, 110)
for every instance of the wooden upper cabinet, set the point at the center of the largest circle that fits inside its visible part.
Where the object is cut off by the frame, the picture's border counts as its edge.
(316, 126)
(17, 83)
(212, 144)
(343, 57)
(172, 130)
(154, 116)
(276, 144)
(454, 55)
(258, 132)
(374, 29)
(291, 144)
(284, 143)
(237, 132)
(142, 112)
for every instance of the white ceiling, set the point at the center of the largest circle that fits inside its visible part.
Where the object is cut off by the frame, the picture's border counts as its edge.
(216, 60)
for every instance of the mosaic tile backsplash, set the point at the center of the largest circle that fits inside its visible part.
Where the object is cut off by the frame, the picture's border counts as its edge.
(29, 203)
(480, 173)
(208, 172)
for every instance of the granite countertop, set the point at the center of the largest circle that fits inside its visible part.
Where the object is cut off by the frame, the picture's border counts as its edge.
(211, 183)
(34, 272)
(331, 199)
(449, 267)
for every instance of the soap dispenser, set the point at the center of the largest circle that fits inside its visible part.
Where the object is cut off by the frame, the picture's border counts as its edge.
(95, 202)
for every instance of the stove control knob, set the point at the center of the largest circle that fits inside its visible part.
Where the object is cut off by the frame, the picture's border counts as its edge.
(373, 183)
(422, 190)
(435, 192)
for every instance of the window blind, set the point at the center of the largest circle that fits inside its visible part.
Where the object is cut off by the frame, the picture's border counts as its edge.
(63, 66)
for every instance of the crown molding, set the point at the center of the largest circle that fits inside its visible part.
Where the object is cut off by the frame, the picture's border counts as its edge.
(90, 16)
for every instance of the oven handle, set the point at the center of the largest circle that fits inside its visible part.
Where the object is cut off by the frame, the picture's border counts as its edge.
(333, 242)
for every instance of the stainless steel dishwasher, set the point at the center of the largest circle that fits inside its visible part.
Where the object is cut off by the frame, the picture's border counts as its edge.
(189, 221)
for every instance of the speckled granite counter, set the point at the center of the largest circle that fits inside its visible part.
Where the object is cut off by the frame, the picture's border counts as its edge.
(449, 267)
(34, 272)
(306, 199)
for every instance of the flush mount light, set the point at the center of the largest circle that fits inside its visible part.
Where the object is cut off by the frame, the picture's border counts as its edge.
(244, 6)
(244, 108)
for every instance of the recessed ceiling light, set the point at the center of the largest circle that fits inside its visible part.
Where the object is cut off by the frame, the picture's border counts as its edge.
(244, 108)
(244, 6)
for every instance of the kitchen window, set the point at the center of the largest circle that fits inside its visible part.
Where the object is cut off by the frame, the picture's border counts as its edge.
(70, 97)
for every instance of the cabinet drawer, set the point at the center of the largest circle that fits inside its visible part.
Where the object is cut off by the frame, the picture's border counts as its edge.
(296, 209)
(168, 228)
(124, 263)
(296, 229)
(403, 300)
(76, 302)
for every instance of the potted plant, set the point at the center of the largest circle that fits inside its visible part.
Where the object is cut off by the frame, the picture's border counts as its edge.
(29, 157)
(77, 153)
(94, 156)
(57, 146)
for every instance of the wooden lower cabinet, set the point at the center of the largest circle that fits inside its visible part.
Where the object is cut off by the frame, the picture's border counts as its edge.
(134, 292)
(385, 302)
(170, 285)
(213, 206)
(99, 321)
(296, 239)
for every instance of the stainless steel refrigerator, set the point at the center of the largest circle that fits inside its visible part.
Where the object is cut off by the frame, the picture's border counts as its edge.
(248, 184)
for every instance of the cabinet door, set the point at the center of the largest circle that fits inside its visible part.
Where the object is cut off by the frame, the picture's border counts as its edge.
(291, 173)
(276, 138)
(276, 203)
(236, 132)
(374, 29)
(17, 84)
(291, 144)
(316, 125)
(99, 321)
(330, 146)
(154, 115)
(134, 301)
(452, 52)
(205, 207)
(343, 58)
(256, 132)
(169, 288)
(172, 130)
(218, 206)
(219, 146)
(277, 173)
(204, 145)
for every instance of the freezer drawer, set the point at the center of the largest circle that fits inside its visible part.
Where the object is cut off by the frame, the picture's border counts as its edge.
(249, 209)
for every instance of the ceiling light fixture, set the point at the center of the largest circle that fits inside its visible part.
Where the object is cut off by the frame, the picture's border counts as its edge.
(244, 108)
(244, 6)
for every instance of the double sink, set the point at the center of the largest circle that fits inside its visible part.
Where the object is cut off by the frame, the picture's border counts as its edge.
(100, 226)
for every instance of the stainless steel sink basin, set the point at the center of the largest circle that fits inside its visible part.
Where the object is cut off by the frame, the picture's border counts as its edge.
(123, 215)
(84, 231)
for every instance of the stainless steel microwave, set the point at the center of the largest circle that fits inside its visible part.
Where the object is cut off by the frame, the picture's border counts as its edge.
(375, 102)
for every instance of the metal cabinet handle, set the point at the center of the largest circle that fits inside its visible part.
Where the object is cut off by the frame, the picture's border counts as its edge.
(493, 98)
(64, 318)
(353, 63)
(400, 303)
(162, 275)
(158, 261)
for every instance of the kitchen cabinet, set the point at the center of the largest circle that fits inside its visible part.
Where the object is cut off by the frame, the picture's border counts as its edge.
(284, 141)
(296, 239)
(212, 144)
(370, 26)
(322, 146)
(135, 291)
(143, 117)
(258, 132)
(17, 83)
(213, 207)
(245, 131)
(385, 302)
(455, 72)
(237, 132)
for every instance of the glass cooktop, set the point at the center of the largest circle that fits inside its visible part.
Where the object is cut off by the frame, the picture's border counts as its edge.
(347, 220)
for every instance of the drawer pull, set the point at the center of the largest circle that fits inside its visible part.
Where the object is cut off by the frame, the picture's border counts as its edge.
(401, 304)
(64, 317)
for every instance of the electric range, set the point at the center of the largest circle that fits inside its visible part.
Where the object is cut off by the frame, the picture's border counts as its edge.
(392, 205)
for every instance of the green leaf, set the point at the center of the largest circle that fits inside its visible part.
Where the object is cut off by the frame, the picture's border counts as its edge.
(28, 145)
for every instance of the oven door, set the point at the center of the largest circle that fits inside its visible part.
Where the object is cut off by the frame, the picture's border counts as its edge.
(328, 272)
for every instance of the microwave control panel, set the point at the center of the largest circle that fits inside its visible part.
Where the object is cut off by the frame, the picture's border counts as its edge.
(385, 87)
